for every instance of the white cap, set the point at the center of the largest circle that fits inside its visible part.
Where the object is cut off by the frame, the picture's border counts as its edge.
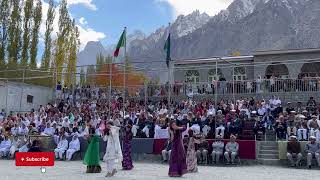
(312, 137)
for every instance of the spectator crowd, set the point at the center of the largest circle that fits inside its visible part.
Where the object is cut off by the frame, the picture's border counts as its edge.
(75, 112)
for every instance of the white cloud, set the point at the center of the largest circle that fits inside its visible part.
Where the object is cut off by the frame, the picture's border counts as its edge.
(87, 3)
(83, 21)
(86, 33)
(185, 7)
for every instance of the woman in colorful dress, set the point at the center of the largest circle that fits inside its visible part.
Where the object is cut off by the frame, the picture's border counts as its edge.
(127, 160)
(177, 164)
(191, 153)
(91, 158)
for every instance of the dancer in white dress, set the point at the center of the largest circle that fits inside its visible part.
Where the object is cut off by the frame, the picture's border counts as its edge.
(113, 155)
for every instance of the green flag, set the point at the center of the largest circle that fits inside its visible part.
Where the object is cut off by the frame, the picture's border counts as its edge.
(121, 43)
(167, 48)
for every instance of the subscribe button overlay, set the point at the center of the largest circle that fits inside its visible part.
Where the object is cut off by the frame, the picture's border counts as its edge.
(35, 159)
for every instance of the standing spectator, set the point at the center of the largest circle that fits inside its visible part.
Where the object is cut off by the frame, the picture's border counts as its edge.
(294, 151)
(58, 90)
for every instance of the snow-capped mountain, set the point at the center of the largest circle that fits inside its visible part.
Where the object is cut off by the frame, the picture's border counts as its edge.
(88, 55)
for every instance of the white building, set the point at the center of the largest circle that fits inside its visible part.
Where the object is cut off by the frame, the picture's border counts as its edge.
(21, 97)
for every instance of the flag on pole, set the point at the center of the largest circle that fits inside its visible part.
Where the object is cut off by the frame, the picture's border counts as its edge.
(167, 48)
(121, 43)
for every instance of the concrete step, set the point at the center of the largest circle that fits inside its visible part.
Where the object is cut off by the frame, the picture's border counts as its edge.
(269, 148)
(269, 161)
(268, 143)
(268, 151)
(268, 156)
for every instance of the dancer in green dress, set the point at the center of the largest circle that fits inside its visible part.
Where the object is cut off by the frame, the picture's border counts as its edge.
(91, 159)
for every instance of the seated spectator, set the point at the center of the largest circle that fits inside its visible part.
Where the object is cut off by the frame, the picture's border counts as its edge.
(280, 127)
(32, 129)
(135, 126)
(268, 119)
(23, 130)
(291, 126)
(148, 126)
(302, 128)
(35, 146)
(14, 130)
(61, 148)
(5, 146)
(231, 150)
(259, 126)
(217, 149)
(312, 149)
(220, 124)
(15, 146)
(74, 146)
(24, 145)
(48, 131)
(314, 127)
(294, 151)
(166, 152)
(202, 151)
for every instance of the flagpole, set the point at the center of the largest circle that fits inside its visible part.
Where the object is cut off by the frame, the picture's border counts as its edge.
(169, 75)
(110, 84)
(124, 71)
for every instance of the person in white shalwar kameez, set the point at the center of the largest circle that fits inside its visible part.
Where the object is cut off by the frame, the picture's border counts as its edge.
(5, 146)
(113, 154)
(16, 143)
(24, 145)
(61, 148)
(74, 146)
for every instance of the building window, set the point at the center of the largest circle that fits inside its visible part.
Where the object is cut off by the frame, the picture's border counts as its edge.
(192, 76)
(29, 99)
(239, 74)
(213, 76)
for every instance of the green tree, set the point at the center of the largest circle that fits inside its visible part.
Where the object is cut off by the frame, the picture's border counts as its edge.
(14, 34)
(4, 19)
(63, 34)
(73, 46)
(37, 15)
(28, 7)
(90, 75)
(100, 60)
(46, 58)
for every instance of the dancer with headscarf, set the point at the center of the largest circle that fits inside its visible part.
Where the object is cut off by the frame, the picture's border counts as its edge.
(127, 160)
(177, 164)
(113, 155)
(91, 159)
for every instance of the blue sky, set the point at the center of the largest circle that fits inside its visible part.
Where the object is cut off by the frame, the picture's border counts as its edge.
(104, 20)
(112, 15)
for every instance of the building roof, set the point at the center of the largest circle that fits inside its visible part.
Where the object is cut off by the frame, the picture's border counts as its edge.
(288, 51)
(214, 59)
